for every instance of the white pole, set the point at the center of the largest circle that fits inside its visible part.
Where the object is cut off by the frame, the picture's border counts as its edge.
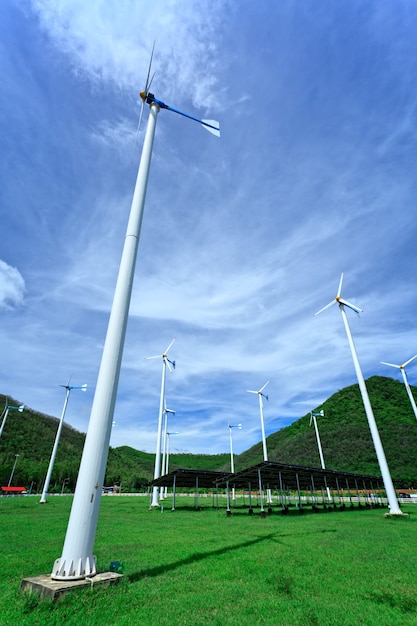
(318, 441)
(385, 473)
(268, 491)
(316, 428)
(55, 448)
(6, 413)
(232, 465)
(4, 421)
(263, 427)
(410, 395)
(157, 470)
(77, 559)
(164, 451)
(14, 467)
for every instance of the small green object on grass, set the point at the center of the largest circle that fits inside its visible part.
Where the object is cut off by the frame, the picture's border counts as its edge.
(117, 566)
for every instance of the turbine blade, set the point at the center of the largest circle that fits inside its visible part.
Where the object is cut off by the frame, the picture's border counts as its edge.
(326, 307)
(148, 84)
(169, 347)
(212, 126)
(409, 360)
(137, 129)
(350, 306)
(167, 363)
(262, 388)
(158, 356)
(143, 94)
(250, 391)
(390, 364)
(339, 291)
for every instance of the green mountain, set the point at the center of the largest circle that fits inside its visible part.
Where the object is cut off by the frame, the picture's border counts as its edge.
(31, 435)
(344, 434)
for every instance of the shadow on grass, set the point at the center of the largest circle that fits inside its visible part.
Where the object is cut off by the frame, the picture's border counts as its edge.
(199, 556)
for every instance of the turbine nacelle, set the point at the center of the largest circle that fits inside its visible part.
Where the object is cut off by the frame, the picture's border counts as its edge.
(318, 414)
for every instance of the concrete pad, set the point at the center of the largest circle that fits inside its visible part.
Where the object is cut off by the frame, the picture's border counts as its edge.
(51, 589)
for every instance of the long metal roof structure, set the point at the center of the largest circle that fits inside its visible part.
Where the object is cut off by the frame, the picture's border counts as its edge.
(285, 476)
(273, 475)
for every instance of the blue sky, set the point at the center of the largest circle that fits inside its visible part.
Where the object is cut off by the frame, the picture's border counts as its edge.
(243, 238)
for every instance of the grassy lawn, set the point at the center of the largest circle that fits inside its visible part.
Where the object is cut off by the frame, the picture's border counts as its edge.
(202, 567)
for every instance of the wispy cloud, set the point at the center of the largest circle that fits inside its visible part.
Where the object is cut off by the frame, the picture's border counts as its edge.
(12, 286)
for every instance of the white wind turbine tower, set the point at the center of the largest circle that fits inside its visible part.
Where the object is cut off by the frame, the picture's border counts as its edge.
(385, 473)
(313, 419)
(261, 411)
(404, 375)
(77, 560)
(68, 388)
(164, 448)
(171, 365)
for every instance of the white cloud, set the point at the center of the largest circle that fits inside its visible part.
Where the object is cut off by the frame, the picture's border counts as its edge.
(12, 286)
(112, 42)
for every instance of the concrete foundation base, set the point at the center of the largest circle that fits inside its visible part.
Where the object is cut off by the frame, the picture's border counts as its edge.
(53, 589)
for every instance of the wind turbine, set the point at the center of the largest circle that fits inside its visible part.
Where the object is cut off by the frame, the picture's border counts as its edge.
(385, 473)
(6, 413)
(68, 388)
(261, 410)
(232, 464)
(313, 419)
(404, 375)
(77, 559)
(171, 366)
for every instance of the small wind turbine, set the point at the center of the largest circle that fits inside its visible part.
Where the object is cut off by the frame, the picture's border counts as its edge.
(77, 559)
(261, 410)
(313, 419)
(6, 413)
(404, 375)
(232, 463)
(385, 473)
(68, 388)
(171, 366)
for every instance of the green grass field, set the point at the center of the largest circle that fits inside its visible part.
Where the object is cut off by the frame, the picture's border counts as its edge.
(193, 567)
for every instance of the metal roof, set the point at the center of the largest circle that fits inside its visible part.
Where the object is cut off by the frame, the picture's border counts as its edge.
(273, 475)
(190, 478)
(277, 475)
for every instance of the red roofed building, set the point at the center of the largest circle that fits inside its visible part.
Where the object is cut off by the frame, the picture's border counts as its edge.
(13, 491)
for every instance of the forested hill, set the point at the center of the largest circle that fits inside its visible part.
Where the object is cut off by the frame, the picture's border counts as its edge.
(31, 435)
(344, 434)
